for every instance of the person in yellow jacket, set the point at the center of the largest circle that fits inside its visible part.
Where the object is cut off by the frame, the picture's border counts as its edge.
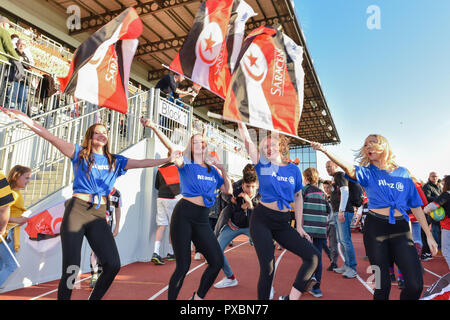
(18, 178)
(6, 199)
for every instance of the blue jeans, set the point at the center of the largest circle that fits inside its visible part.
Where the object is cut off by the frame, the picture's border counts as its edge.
(345, 239)
(436, 232)
(416, 234)
(319, 244)
(226, 235)
(18, 96)
(7, 264)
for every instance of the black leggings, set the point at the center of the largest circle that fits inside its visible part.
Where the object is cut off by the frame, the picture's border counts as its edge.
(267, 225)
(82, 219)
(386, 243)
(190, 222)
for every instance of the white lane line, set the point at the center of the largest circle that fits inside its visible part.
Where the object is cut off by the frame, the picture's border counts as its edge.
(357, 275)
(434, 274)
(156, 295)
(55, 290)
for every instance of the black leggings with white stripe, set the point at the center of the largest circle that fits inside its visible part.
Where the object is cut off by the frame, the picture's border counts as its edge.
(190, 222)
(81, 219)
(267, 225)
(384, 243)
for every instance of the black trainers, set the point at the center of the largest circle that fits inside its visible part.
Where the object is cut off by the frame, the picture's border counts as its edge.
(283, 298)
(332, 266)
(401, 284)
(170, 257)
(156, 259)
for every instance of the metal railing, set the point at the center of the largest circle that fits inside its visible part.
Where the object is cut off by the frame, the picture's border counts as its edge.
(51, 170)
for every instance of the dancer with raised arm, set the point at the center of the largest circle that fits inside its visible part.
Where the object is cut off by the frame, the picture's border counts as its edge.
(199, 181)
(280, 185)
(391, 192)
(95, 171)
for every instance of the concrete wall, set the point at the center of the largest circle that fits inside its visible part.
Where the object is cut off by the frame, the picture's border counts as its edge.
(135, 240)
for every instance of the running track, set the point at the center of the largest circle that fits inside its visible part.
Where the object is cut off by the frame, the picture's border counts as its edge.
(146, 281)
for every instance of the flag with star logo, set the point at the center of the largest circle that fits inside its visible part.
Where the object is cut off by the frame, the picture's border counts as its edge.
(214, 40)
(266, 89)
(100, 68)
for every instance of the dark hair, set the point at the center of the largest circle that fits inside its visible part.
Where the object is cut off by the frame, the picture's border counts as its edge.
(328, 182)
(446, 182)
(250, 176)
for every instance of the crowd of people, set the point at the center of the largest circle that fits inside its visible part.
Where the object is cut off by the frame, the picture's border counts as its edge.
(274, 203)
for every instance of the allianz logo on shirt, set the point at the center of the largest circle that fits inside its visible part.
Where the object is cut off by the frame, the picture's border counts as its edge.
(101, 166)
(399, 186)
(285, 179)
(202, 177)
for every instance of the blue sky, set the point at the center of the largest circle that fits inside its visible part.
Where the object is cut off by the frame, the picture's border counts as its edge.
(394, 81)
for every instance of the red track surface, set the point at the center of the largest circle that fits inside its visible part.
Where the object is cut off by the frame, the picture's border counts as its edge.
(142, 281)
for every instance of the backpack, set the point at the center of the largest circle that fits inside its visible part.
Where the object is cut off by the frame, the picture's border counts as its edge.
(356, 194)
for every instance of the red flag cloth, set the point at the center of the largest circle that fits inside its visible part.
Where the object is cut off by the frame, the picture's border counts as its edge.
(206, 54)
(100, 68)
(45, 224)
(266, 90)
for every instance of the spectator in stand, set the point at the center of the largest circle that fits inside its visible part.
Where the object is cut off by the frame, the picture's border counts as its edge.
(170, 84)
(18, 178)
(17, 93)
(6, 45)
(432, 190)
(315, 213)
(6, 199)
(343, 215)
(331, 229)
(443, 201)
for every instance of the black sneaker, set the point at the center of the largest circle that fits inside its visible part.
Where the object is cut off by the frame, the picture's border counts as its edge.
(156, 259)
(332, 266)
(283, 298)
(170, 257)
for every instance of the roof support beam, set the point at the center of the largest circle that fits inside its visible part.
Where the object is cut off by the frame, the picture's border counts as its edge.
(97, 21)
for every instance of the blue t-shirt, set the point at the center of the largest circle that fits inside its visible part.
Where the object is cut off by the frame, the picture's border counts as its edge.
(100, 180)
(278, 183)
(195, 180)
(388, 189)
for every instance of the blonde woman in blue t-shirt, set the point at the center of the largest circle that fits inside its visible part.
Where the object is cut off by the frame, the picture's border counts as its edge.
(280, 185)
(95, 172)
(391, 192)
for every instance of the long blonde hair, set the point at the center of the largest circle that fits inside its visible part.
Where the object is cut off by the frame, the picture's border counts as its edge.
(382, 145)
(188, 152)
(283, 145)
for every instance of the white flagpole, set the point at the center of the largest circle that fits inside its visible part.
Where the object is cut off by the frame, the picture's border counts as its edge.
(9, 250)
(218, 116)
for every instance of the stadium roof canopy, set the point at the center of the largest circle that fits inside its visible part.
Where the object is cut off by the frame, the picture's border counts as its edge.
(166, 25)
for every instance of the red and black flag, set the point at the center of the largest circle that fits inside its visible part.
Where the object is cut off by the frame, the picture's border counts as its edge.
(266, 90)
(206, 54)
(100, 68)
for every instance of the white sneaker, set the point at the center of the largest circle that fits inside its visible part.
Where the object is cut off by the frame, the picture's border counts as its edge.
(225, 283)
(350, 273)
(341, 270)
(197, 256)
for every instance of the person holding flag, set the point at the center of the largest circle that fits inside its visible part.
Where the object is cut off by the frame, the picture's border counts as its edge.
(95, 172)
(18, 178)
(280, 185)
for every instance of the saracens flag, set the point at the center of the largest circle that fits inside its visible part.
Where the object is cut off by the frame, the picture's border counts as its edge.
(205, 55)
(100, 68)
(266, 90)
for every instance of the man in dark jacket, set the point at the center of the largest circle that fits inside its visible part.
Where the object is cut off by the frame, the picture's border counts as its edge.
(432, 190)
